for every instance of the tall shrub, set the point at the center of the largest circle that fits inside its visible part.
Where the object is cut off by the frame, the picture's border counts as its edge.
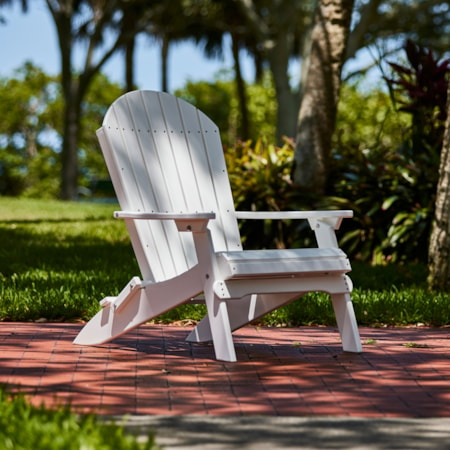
(420, 88)
(389, 179)
(260, 177)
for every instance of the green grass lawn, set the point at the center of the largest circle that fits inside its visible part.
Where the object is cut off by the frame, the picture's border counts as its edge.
(59, 259)
(25, 427)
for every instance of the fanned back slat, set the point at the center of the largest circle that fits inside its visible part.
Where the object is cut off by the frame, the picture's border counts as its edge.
(165, 155)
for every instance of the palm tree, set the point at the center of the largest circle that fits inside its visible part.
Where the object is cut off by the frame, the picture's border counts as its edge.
(275, 28)
(87, 21)
(24, 6)
(205, 23)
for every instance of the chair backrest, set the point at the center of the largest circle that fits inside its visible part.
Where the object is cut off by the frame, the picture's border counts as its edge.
(164, 155)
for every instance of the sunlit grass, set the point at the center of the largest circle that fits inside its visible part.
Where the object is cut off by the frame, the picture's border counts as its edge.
(59, 259)
(25, 427)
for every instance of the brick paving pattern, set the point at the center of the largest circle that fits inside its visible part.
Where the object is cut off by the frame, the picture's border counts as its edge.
(403, 372)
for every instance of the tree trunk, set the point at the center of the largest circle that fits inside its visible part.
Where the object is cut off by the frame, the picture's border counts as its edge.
(69, 156)
(278, 58)
(244, 129)
(129, 65)
(356, 40)
(71, 131)
(164, 64)
(317, 115)
(439, 248)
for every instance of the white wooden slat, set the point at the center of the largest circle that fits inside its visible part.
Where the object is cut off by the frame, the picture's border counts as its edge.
(163, 215)
(147, 234)
(287, 262)
(156, 195)
(168, 163)
(181, 155)
(293, 214)
(119, 188)
(200, 181)
(159, 170)
(201, 169)
(124, 170)
(160, 199)
(143, 153)
(174, 162)
(153, 237)
(129, 166)
(163, 145)
(156, 185)
(228, 224)
(212, 177)
(196, 151)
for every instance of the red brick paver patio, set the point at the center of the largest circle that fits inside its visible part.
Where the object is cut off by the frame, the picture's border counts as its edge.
(403, 372)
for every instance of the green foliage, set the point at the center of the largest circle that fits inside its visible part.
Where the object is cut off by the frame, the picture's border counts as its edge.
(366, 169)
(386, 162)
(99, 97)
(24, 427)
(421, 90)
(402, 307)
(260, 174)
(373, 172)
(215, 100)
(367, 120)
(262, 108)
(260, 177)
(25, 158)
(218, 101)
(392, 207)
(30, 132)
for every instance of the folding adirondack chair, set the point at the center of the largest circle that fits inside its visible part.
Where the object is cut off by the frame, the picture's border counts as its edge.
(167, 166)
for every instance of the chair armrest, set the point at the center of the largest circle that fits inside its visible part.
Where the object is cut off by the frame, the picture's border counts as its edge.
(333, 217)
(195, 222)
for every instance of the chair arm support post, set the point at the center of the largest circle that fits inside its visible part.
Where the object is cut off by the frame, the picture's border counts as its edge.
(325, 233)
(205, 254)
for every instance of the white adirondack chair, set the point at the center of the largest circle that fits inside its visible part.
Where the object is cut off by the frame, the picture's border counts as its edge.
(166, 162)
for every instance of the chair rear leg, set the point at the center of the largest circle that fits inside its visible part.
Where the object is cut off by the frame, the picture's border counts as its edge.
(118, 315)
(201, 332)
(346, 321)
(242, 312)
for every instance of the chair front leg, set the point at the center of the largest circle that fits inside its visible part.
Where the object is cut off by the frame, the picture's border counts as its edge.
(346, 321)
(218, 317)
(219, 326)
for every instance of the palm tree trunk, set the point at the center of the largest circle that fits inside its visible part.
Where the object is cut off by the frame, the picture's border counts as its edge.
(129, 65)
(278, 58)
(439, 248)
(164, 64)
(69, 154)
(244, 126)
(316, 118)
